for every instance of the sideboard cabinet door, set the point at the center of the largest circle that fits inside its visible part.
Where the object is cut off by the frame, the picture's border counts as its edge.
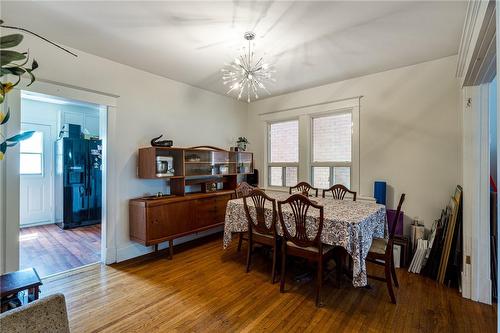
(205, 212)
(169, 219)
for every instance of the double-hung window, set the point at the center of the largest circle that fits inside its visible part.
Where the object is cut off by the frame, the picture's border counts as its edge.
(283, 153)
(331, 159)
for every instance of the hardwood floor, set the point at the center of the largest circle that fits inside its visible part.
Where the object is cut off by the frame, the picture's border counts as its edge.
(50, 250)
(206, 289)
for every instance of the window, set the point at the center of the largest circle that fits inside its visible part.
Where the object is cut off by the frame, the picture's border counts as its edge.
(31, 157)
(331, 150)
(283, 161)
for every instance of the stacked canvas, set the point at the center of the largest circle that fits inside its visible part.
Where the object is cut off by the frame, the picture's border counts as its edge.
(420, 256)
(443, 242)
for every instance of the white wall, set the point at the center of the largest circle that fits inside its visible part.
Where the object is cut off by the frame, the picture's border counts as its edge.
(148, 105)
(410, 131)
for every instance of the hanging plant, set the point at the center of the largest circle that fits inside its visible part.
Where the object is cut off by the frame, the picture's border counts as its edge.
(15, 65)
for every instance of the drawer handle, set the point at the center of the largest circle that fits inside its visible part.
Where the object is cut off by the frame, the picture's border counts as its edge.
(155, 221)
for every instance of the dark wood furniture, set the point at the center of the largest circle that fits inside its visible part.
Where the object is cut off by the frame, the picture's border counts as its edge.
(190, 165)
(153, 221)
(339, 191)
(380, 253)
(243, 189)
(304, 188)
(203, 180)
(298, 244)
(259, 231)
(404, 242)
(14, 282)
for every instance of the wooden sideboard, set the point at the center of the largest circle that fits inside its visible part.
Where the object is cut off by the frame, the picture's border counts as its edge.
(156, 220)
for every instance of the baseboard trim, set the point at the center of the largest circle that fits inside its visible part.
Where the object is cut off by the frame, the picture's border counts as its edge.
(136, 250)
(35, 224)
(70, 272)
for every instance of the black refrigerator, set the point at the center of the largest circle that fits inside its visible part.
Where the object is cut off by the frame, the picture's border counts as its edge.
(78, 182)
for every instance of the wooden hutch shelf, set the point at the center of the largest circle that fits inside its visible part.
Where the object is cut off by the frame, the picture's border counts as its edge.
(202, 182)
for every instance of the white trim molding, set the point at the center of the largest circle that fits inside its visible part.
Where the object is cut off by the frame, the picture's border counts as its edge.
(9, 171)
(477, 52)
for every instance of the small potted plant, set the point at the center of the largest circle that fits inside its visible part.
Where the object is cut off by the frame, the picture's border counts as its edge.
(242, 143)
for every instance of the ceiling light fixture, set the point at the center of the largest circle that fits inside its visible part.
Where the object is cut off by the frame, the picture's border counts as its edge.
(245, 74)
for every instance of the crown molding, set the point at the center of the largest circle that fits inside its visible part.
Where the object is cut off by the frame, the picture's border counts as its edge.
(476, 54)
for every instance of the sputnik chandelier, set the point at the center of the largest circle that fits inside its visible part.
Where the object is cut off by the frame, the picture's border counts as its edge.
(245, 75)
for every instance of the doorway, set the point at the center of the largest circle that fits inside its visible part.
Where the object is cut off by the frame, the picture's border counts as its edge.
(60, 196)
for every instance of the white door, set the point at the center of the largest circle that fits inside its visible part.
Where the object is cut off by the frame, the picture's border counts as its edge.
(36, 171)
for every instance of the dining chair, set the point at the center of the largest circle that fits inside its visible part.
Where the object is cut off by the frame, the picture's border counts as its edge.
(296, 241)
(303, 188)
(260, 229)
(339, 191)
(243, 189)
(381, 253)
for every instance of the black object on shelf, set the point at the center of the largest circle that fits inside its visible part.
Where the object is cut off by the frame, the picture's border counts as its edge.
(78, 182)
(253, 179)
(156, 142)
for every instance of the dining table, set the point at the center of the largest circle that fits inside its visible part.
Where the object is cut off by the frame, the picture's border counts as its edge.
(346, 223)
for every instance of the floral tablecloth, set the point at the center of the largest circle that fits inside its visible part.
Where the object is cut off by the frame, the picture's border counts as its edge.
(350, 224)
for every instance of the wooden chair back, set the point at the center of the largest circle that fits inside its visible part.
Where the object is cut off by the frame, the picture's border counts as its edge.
(300, 206)
(243, 189)
(303, 188)
(392, 231)
(339, 191)
(259, 199)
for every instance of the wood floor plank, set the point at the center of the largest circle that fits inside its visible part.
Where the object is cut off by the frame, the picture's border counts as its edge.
(206, 289)
(50, 250)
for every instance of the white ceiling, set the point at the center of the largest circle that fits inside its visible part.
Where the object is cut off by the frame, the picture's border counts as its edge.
(309, 43)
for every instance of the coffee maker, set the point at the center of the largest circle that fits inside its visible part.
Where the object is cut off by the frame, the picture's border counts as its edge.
(164, 166)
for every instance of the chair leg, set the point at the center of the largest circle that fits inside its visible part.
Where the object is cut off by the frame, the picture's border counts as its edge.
(283, 268)
(388, 281)
(339, 268)
(240, 241)
(275, 254)
(319, 283)
(249, 254)
(393, 271)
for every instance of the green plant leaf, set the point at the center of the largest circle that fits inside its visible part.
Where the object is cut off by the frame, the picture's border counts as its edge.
(6, 118)
(18, 71)
(10, 41)
(32, 77)
(34, 65)
(20, 137)
(7, 56)
(3, 147)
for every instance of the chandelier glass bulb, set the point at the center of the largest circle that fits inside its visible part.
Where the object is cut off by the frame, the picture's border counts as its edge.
(246, 75)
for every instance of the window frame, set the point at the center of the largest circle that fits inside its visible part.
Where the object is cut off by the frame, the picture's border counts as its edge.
(330, 165)
(304, 113)
(42, 159)
(282, 165)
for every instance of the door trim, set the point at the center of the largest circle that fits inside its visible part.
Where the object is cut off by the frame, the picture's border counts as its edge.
(9, 235)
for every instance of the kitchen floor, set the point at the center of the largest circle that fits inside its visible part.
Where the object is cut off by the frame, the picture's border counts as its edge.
(50, 249)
